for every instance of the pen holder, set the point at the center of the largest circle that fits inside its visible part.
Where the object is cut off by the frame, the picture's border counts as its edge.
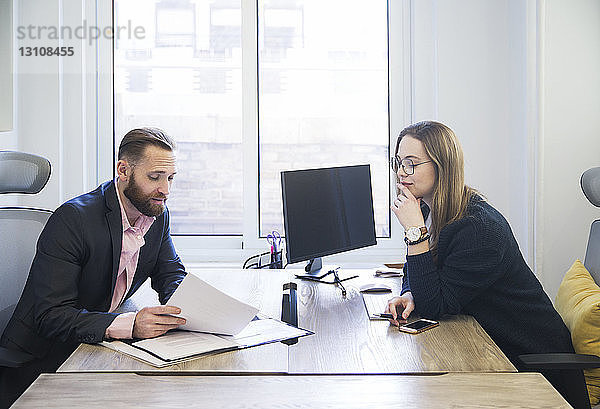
(265, 260)
(276, 260)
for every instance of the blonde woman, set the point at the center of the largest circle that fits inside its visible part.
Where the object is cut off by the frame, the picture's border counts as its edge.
(467, 261)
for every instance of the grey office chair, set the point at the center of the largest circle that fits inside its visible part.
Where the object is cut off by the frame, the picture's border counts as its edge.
(590, 184)
(572, 365)
(19, 231)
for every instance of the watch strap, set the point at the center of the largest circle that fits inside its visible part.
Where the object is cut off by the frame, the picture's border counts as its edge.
(420, 240)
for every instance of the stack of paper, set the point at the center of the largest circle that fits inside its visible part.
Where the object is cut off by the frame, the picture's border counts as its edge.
(215, 322)
(208, 309)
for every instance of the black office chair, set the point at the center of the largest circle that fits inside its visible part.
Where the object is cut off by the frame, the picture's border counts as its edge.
(20, 228)
(571, 366)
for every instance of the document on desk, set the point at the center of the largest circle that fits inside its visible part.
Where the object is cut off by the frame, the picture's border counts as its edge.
(179, 346)
(208, 309)
(216, 322)
(264, 331)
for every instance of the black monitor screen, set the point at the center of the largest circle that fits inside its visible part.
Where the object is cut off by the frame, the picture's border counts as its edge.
(327, 211)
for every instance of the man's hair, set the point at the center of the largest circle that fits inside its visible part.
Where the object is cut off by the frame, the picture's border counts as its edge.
(134, 143)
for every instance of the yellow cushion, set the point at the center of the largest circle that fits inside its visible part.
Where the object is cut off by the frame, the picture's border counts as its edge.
(578, 303)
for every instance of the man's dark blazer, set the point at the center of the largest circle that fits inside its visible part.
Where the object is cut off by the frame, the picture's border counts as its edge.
(73, 274)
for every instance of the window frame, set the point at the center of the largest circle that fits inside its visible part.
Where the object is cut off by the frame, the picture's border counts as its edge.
(233, 248)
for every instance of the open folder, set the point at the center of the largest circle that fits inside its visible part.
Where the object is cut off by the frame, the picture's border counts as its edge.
(215, 322)
(179, 346)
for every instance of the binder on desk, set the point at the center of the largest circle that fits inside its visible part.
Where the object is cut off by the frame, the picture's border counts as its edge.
(215, 322)
(179, 346)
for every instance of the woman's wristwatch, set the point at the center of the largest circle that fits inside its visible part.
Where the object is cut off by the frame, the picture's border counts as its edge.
(415, 235)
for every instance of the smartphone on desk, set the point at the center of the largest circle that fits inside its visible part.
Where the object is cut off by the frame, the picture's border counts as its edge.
(418, 326)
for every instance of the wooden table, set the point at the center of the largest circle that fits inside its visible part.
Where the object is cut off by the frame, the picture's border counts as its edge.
(345, 340)
(91, 390)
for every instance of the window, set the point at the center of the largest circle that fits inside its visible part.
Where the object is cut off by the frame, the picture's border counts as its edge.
(321, 99)
(187, 80)
(175, 24)
(323, 96)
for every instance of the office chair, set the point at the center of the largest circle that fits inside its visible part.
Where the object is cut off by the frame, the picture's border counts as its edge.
(590, 184)
(571, 366)
(19, 230)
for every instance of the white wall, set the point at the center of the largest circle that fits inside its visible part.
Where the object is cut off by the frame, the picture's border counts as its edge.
(470, 71)
(518, 81)
(53, 98)
(8, 141)
(8, 133)
(6, 67)
(570, 134)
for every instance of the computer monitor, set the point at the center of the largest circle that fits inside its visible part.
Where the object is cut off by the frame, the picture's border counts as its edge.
(326, 211)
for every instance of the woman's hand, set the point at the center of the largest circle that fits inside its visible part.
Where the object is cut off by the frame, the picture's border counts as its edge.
(407, 208)
(400, 308)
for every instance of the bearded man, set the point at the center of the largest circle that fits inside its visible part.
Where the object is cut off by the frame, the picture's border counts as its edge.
(94, 252)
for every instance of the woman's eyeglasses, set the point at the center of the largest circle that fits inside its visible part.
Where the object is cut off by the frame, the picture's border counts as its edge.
(408, 166)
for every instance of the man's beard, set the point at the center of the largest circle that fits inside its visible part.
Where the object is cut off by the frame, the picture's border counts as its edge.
(143, 202)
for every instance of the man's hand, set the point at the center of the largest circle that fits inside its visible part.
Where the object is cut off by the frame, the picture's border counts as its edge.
(151, 322)
(405, 303)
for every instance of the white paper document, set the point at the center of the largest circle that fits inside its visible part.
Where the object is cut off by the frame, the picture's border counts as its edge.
(208, 309)
(179, 346)
(266, 330)
(216, 322)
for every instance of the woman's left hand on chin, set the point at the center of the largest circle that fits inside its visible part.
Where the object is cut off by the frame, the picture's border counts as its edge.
(407, 208)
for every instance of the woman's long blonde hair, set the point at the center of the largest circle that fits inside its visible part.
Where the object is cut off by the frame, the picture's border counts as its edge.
(450, 194)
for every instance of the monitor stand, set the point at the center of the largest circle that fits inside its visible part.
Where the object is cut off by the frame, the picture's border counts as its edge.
(315, 266)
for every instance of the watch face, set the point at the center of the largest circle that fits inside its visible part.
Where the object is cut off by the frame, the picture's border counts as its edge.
(413, 233)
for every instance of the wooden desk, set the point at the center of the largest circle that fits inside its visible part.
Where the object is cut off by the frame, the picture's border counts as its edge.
(345, 341)
(89, 390)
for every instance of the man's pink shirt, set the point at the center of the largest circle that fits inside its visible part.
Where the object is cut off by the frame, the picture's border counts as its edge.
(133, 240)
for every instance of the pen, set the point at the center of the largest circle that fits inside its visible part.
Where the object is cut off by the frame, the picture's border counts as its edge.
(388, 274)
(384, 315)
